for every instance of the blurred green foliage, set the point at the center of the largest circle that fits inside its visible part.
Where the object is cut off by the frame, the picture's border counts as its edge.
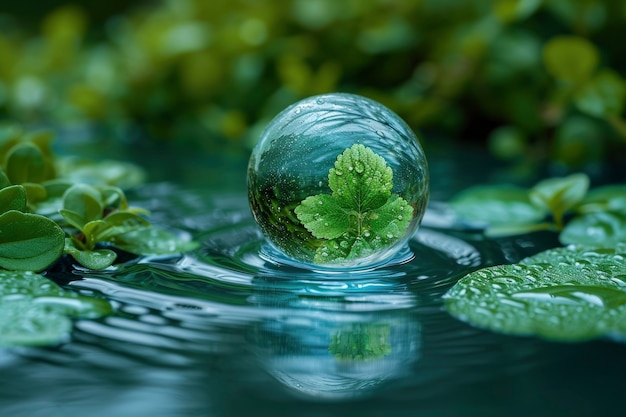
(534, 80)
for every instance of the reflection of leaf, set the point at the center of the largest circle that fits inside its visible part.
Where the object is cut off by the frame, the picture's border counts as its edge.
(361, 214)
(561, 294)
(361, 342)
(34, 311)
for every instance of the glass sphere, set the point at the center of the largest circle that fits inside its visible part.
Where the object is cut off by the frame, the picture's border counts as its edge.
(336, 182)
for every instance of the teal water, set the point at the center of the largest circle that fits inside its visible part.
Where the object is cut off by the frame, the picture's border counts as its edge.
(222, 331)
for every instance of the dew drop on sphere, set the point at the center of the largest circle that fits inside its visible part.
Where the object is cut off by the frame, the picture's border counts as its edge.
(350, 176)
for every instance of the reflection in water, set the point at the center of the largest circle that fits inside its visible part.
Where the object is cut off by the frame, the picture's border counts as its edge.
(336, 356)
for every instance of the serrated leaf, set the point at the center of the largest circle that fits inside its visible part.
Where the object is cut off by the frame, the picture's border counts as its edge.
(323, 216)
(34, 311)
(391, 220)
(497, 205)
(600, 229)
(12, 198)
(361, 214)
(25, 163)
(361, 179)
(29, 241)
(85, 202)
(570, 297)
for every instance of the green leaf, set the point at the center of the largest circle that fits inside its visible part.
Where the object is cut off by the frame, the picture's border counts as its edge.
(559, 195)
(4, 180)
(92, 259)
(34, 192)
(554, 295)
(323, 216)
(600, 229)
(29, 241)
(25, 163)
(85, 203)
(361, 179)
(361, 214)
(152, 241)
(117, 223)
(570, 58)
(603, 95)
(121, 174)
(12, 198)
(607, 198)
(34, 311)
(113, 197)
(497, 205)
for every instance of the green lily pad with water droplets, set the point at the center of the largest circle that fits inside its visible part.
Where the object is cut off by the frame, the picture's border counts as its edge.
(561, 294)
(34, 311)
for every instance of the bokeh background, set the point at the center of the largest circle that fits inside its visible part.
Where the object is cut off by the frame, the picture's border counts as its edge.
(537, 84)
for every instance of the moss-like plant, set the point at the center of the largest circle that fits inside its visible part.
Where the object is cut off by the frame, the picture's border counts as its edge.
(361, 215)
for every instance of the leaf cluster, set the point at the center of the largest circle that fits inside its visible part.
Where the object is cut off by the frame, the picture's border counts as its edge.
(43, 215)
(565, 205)
(361, 215)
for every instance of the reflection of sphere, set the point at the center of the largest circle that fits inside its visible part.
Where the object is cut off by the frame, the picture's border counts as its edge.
(299, 155)
(302, 352)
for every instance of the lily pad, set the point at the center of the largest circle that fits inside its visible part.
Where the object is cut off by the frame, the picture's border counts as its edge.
(34, 311)
(600, 229)
(564, 294)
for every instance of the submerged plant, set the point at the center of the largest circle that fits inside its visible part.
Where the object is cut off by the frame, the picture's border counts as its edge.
(361, 215)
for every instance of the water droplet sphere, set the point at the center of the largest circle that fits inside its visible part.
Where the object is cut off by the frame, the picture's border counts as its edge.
(337, 182)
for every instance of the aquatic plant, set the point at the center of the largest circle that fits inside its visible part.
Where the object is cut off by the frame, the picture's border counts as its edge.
(361, 215)
(44, 216)
(573, 293)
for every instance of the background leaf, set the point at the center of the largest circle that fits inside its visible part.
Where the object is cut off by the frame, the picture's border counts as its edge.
(25, 163)
(599, 229)
(497, 205)
(602, 96)
(558, 195)
(12, 198)
(29, 241)
(570, 58)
